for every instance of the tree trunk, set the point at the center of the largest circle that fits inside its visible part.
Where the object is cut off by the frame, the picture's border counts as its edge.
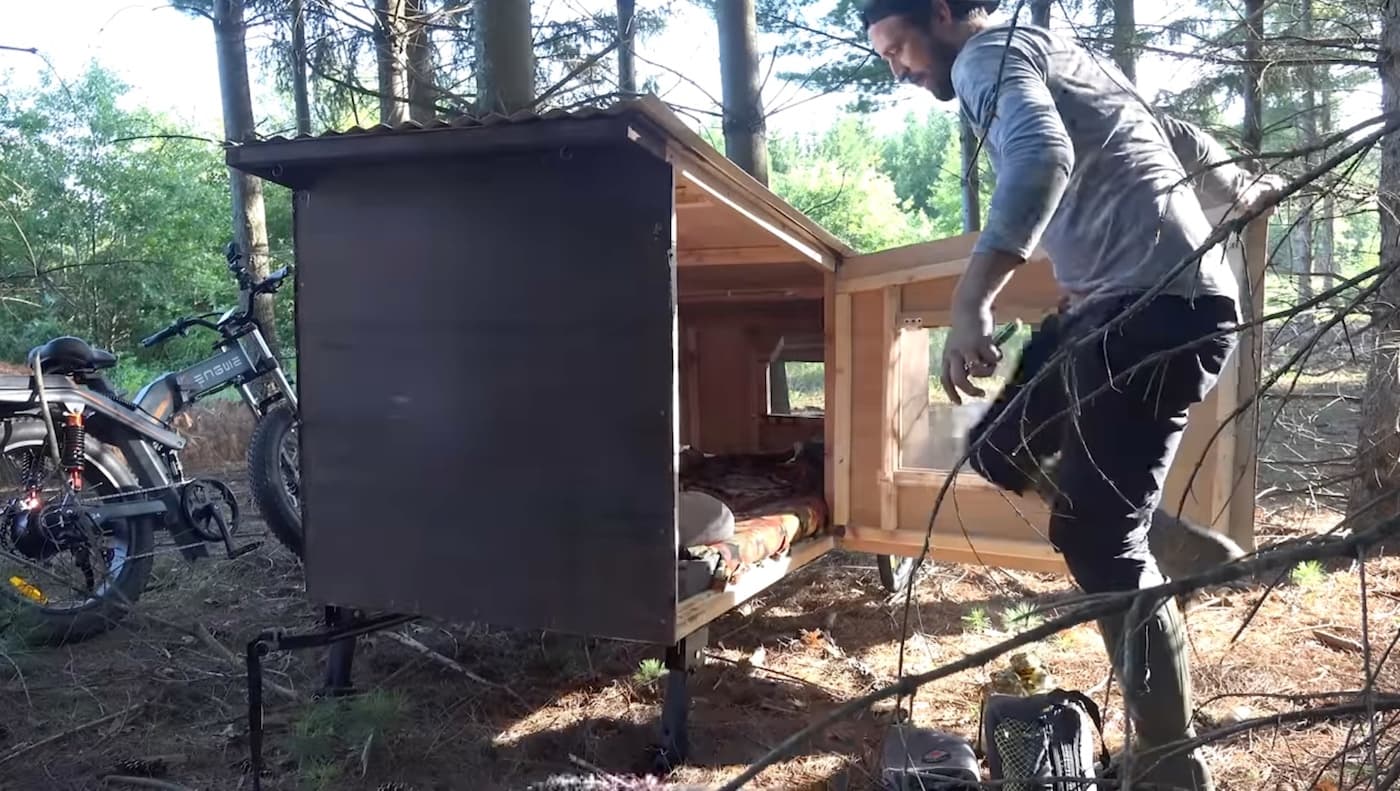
(1307, 129)
(1253, 133)
(1303, 249)
(626, 48)
(422, 92)
(969, 177)
(745, 138)
(390, 45)
(505, 56)
(1325, 261)
(1124, 28)
(249, 216)
(1040, 13)
(1377, 490)
(299, 91)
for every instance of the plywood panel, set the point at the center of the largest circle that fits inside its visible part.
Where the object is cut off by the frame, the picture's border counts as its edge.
(907, 264)
(975, 524)
(714, 224)
(973, 506)
(1221, 494)
(689, 385)
(839, 341)
(1250, 262)
(508, 378)
(1032, 288)
(889, 423)
(835, 376)
(989, 552)
(781, 432)
(1198, 503)
(732, 342)
(776, 279)
(724, 372)
(869, 356)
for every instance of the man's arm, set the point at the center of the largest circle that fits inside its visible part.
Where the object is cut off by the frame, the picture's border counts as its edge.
(1003, 89)
(1206, 162)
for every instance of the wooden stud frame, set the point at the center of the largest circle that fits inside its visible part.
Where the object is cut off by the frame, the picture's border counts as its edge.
(992, 526)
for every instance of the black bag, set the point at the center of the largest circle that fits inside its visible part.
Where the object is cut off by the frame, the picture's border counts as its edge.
(1030, 738)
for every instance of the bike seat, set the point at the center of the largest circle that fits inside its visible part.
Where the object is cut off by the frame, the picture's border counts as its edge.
(69, 355)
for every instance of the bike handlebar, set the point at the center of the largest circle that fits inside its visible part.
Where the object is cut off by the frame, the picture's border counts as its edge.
(269, 285)
(272, 282)
(178, 328)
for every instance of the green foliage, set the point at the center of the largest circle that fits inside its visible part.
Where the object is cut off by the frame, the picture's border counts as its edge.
(828, 41)
(1020, 617)
(106, 232)
(1307, 574)
(976, 620)
(332, 728)
(923, 161)
(840, 178)
(649, 671)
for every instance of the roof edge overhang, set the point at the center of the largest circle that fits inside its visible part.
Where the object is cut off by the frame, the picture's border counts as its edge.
(294, 162)
(645, 121)
(723, 171)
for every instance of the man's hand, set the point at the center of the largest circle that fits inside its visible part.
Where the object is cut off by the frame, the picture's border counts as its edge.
(969, 351)
(1256, 191)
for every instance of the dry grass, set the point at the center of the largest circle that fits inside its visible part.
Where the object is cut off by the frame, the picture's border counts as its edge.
(218, 431)
(806, 645)
(817, 639)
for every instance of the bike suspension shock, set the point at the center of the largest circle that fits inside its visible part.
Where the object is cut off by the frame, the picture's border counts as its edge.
(73, 440)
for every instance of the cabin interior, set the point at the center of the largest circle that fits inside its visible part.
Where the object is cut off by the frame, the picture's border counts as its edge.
(752, 380)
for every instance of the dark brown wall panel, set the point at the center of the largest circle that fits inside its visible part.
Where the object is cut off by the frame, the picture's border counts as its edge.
(487, 376)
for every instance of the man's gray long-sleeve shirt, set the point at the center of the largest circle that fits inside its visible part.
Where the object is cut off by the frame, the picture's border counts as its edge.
(1088, 171)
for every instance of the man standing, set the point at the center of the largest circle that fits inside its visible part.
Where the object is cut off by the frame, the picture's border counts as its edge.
(1086, 170)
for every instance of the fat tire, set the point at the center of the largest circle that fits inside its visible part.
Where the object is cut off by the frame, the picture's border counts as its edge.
(283, 517)
(895, 572)
(40, 626)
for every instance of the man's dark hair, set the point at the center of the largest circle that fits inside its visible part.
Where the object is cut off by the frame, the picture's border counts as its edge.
(919, 12)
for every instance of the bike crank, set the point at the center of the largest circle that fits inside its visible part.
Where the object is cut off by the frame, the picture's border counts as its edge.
(211, 511)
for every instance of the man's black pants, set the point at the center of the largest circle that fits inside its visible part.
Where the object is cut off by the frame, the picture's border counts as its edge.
(1124, 422)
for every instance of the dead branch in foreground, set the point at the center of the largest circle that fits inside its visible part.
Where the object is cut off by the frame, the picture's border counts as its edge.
(29, 747)
(1354, 545)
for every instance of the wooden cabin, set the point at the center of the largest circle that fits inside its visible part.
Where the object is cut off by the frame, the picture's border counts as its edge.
(520, 338)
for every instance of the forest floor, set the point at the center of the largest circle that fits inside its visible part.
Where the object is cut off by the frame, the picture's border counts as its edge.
(167, 688)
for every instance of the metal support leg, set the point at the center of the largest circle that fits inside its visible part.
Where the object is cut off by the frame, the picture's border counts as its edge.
(682, 660)
(340, 658)
(344, 627)
(256, 649)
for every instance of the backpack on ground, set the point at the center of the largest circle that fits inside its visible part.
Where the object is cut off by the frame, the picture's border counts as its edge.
(1028, 739)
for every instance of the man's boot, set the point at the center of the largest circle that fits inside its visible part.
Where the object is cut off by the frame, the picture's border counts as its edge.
(1159, 700)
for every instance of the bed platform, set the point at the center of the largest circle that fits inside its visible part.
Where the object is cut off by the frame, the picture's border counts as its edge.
(521, 339)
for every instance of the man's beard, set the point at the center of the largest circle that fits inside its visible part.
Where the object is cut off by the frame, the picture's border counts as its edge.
(940, 82)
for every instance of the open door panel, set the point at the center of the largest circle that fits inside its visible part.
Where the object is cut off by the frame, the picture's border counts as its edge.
(899, 435)
(904, 434)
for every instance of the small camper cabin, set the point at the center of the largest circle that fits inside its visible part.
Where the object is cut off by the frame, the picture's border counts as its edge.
(520, 338)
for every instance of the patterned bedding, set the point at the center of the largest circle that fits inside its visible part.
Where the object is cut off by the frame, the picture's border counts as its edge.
(777, 499)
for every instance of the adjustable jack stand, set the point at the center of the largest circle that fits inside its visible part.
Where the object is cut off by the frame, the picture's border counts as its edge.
(682, 660)
(340, 659)
(344, 627)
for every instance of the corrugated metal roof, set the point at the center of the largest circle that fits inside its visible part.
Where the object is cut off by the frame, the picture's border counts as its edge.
(586, 112)
(268, 155)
